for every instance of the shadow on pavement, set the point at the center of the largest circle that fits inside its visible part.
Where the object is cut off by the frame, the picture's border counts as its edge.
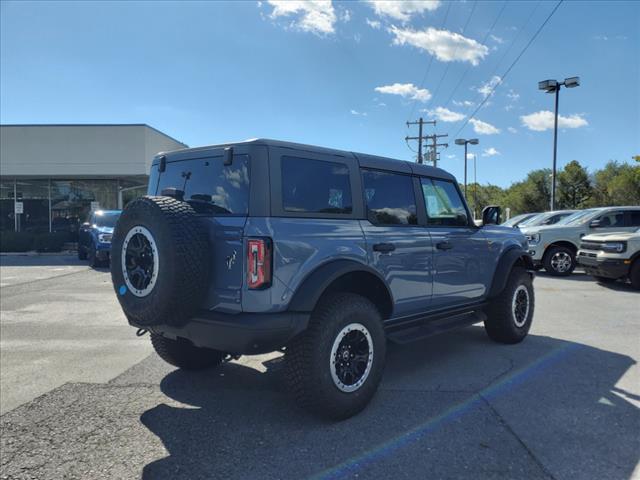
(580, 276)
(40, 260)
(455, 406)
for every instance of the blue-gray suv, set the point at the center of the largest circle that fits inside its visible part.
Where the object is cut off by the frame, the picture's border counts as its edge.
(326, 255)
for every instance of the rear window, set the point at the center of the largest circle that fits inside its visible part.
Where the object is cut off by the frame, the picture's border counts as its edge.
(209, 186)
(315, 186)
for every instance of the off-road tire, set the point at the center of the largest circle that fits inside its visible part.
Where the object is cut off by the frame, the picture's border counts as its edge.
(308, 357)
(634, 274)
(183, 269)
(501, 324)
(548, 256)
(82, 253)
(183, 354)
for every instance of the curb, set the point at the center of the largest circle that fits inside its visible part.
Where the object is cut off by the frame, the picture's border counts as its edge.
(38, 254)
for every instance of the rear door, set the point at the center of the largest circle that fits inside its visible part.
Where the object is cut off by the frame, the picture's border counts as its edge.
(397, 246)
(220, 195)
(462, 261)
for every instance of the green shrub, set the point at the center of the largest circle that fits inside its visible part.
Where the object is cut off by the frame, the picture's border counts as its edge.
(50, 242)
(16, 241)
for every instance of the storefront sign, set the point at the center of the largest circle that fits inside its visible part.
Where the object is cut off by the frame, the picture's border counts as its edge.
(19, 208)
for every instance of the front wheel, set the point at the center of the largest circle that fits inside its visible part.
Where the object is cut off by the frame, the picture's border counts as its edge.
(510, 314)
(183, 354)
(335, 366)
(559, 261)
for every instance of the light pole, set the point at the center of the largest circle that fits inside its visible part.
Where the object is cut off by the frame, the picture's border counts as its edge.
(553, 86)
(462, 141)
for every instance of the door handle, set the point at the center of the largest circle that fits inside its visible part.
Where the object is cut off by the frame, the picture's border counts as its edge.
(444, 246)
(384, 247)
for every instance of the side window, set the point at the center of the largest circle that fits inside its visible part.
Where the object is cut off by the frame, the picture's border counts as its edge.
(389, 197)
(444, 204)
(612, 220)
(633, 218)
(315, 186)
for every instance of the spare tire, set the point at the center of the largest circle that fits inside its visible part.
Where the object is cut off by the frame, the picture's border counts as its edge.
(159, 261)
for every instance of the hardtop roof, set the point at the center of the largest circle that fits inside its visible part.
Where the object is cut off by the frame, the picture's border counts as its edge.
(365, 160)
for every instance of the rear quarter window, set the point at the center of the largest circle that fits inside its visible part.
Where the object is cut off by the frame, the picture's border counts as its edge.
(315, 186)
(209, 186)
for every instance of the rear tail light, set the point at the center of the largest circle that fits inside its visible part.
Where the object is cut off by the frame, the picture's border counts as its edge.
(259, 263)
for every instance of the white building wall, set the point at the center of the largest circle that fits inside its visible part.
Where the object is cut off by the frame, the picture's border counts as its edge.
(80, 150)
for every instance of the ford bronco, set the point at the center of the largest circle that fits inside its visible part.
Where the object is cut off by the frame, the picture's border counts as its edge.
(326, 255)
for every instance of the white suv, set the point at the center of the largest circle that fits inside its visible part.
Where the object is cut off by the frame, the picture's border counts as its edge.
(554, 247)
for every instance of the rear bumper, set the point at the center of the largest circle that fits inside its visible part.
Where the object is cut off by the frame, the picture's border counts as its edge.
(598, 267)
(242, 333)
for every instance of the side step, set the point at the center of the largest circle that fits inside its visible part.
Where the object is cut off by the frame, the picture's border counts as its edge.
(423, 327)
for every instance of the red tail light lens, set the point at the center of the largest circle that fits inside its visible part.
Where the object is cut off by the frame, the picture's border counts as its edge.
(259, 263)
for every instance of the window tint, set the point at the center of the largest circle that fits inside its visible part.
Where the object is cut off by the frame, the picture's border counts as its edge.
(634, 218)
(390, 199)
(315, 186)
(612, 220)
(209, 186)
(444, 204)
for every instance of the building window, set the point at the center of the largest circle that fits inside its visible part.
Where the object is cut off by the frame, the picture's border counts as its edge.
(34, 195)
(7, 217)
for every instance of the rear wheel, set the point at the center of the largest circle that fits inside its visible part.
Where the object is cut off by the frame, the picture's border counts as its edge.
(510, 314)
(559, 261)
(634, 274)
(335, 366)
(183, 354)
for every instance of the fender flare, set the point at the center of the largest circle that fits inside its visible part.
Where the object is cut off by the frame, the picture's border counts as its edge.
(505, 264)
(312, 287)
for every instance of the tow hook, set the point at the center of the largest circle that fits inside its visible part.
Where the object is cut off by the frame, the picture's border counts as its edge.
(141, 331)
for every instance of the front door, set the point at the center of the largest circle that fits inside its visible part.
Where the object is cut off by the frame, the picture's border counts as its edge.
(397, 246)
(462, 270)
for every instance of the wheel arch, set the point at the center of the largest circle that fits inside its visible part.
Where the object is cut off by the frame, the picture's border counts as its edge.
(562, 243)
(513, 257)
(342, 276)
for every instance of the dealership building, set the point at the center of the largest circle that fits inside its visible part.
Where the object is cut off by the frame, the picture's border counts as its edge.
(52, 176)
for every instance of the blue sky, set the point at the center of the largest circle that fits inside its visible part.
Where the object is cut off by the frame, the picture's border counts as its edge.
(340, 74)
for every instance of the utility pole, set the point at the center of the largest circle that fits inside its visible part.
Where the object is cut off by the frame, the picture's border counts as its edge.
(420, 137)
(434, 145)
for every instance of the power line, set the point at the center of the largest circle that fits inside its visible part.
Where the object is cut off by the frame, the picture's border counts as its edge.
(420, 122)
(464, 75)
(513, 64)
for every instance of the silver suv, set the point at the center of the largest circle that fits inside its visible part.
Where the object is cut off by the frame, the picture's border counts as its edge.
(554, 247)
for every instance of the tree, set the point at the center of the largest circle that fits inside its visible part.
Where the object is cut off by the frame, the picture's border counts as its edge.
(574, 186)
(616, 184)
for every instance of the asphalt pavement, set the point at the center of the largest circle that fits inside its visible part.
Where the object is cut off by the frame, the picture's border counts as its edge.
(82, 397)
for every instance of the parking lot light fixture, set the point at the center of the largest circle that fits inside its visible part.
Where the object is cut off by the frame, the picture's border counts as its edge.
(465, 142)
(553, 86)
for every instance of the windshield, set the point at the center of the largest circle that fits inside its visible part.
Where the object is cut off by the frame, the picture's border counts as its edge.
(578, 217)
(516, 220)
(107, 219)
(533, 220)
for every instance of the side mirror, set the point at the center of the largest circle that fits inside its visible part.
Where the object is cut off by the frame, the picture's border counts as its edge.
(491, 215)
(594, 224)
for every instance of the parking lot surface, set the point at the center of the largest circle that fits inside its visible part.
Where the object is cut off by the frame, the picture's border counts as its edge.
(83, 397)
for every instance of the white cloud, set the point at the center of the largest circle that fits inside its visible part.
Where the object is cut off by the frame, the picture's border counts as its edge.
(496, 39)
(315, 16)
(464, 103)
(512, 130)
(483, 127)
(406, 90)
(544, 119)
(402, 10)
(469, 156)
(445, 45)
(375, 24)
(345, 15)
(513, 95)
(445, 115)
(451, 157)
(490, 152)
(488, 87)
(355, 112)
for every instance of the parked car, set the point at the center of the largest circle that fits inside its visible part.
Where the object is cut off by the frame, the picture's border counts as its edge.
(554, 247)
(518, 219)
(94, 237)
(264, 245)
(611, 256)
(546, 218)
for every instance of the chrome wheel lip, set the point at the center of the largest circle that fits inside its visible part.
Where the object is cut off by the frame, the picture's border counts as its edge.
(334, 354)
(514, 306)
(139, 229)
(561, 262)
